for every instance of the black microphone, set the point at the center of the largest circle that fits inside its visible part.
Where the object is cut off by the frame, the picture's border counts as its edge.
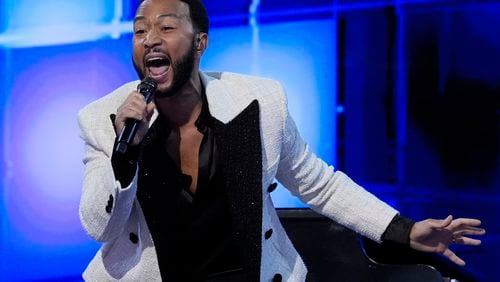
(147, 88)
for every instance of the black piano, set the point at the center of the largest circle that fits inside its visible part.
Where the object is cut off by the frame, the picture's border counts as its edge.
(332, 252)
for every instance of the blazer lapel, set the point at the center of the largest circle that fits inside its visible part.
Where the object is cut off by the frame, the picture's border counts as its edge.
(239, 145)
(222, 104)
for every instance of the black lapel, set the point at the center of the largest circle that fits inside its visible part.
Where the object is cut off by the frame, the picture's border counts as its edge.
(239, 145)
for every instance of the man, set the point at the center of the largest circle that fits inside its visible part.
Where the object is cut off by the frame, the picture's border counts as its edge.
(190, 199)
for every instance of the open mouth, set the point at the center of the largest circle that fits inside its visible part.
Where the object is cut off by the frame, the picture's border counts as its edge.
(157, 66)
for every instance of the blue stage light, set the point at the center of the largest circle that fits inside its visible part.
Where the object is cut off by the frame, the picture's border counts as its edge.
(44, 23)
(33, 13)
(49, 84)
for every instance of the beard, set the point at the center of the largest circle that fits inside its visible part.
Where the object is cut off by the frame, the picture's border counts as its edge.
(182, 72)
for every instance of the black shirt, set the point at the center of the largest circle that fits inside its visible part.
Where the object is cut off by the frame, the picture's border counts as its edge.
(192, 232)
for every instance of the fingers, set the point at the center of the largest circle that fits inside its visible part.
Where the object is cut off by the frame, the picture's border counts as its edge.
(459, 222)
(465, 227)
(440, 223)
(135, 102)
(134, 107)
(453, 257)
(467, 241)
(131, 112)
(469, 231)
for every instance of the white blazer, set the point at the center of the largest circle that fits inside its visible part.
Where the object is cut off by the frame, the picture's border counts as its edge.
(249, 107)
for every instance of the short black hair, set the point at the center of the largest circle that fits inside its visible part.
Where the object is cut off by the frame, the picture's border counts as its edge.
(198, 14)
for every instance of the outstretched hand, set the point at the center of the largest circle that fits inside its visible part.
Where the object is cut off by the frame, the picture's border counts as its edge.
(435, 236)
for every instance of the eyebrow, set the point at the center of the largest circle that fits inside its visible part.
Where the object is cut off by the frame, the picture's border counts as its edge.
(173, 15)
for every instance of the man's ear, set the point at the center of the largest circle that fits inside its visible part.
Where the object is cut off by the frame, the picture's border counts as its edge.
(201, 43)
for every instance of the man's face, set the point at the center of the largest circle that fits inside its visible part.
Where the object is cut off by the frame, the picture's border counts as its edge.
(163, 44)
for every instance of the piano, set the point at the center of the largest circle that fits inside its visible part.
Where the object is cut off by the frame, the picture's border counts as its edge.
(332, 252)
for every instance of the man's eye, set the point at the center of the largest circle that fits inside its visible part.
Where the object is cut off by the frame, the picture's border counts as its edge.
(166, 28)
(139, 31)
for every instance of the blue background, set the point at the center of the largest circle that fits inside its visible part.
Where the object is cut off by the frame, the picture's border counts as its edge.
(401, 95)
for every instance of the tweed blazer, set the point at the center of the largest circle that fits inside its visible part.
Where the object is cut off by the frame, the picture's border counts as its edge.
(260, 143)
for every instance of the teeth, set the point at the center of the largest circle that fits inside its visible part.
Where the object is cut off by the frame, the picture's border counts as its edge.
(157, 58)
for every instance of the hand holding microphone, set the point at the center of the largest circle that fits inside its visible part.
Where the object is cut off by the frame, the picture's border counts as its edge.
(133, 116)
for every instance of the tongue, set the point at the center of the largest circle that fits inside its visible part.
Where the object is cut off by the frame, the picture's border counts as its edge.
(158, 70)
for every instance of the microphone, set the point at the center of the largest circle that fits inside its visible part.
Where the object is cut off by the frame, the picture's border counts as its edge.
(147, 88)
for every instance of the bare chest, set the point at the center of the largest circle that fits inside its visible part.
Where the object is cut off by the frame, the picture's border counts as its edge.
(184, 147)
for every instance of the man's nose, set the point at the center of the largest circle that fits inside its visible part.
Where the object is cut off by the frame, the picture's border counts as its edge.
(152, 40)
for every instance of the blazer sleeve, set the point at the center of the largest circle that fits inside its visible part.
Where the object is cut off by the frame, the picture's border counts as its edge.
(328, 192)
(105, 205)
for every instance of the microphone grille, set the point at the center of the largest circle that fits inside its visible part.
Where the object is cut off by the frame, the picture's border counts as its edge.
(147, 88)
(147, 84)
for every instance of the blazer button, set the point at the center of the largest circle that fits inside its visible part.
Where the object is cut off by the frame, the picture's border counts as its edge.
(147, 140)
(272, 187)
(133, 238)
(277, 278)
(268, 234)
(109, 206)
